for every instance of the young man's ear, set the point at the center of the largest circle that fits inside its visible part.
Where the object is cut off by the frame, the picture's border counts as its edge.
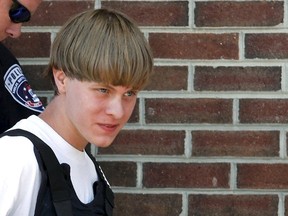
(59, 78)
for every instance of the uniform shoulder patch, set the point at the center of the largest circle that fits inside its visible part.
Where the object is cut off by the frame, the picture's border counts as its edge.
(19, 88)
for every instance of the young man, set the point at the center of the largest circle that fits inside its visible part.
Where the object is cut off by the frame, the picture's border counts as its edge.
(17, 100)
(99, 61)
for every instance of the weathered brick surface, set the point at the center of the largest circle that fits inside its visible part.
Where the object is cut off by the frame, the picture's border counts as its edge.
(148, 204)
(237, 79)
(194, 46)
(263, 176)
(134, 118)
(188, 111)
(263, 111)
(286, 205)
(226, 13)
(37, 45)
(174, 78)
(271, 46)
(227, 205)
(208, 136)
(136, 142)
(149, 13)
(167, 175)
(287, 143)
(236, 143)
(56, 13)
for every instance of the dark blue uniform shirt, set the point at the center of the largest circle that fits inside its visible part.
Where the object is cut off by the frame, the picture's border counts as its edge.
(17, 99)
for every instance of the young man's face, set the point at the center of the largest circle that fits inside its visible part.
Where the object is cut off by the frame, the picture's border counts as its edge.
(96, 111)
(7, 27)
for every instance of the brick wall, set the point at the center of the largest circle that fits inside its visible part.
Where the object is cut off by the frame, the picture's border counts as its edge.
(209, 134)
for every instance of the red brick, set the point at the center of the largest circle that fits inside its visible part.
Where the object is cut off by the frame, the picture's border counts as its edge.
(34, 73)
(134, 118)
(168, 78)
(231, 13)
(237, 78)
(56, 13)
(188, 110)
(145, 13)
(271, 46)
(287, 143)
(194, 46)
(135, 142)
(161, 175)
(236, 143)
(263, 111)
(36, 45)
(262, 176)
(227, 205)
(122, 174)
(286, 205)
(147, 204)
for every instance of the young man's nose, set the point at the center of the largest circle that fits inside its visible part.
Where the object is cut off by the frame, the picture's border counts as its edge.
(116, 108)
(14, 31)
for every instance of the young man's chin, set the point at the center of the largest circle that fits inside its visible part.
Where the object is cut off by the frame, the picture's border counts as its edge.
(103, 143)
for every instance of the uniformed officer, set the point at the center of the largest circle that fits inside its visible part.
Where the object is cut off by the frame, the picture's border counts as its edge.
(17, 99)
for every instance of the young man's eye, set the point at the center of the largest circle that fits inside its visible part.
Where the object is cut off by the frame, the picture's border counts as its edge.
(103, 90)
(130, 93)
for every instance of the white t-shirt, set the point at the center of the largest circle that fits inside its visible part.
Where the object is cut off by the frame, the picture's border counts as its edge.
(20, 176)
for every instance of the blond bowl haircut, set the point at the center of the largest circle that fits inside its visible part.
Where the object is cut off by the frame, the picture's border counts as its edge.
(102, 46)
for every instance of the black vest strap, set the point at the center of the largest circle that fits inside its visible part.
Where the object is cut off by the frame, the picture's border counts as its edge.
(109, 195)
(59, 188)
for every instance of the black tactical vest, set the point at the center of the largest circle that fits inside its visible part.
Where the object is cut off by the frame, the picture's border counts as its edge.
(56, 195)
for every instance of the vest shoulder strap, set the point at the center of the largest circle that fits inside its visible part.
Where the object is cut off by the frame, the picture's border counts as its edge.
(109, 195)
(59, 188)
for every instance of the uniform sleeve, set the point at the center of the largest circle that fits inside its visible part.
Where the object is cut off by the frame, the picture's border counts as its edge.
(17, 99)
(20, 177)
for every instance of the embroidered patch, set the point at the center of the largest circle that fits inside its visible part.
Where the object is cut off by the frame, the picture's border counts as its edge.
(17, 85)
